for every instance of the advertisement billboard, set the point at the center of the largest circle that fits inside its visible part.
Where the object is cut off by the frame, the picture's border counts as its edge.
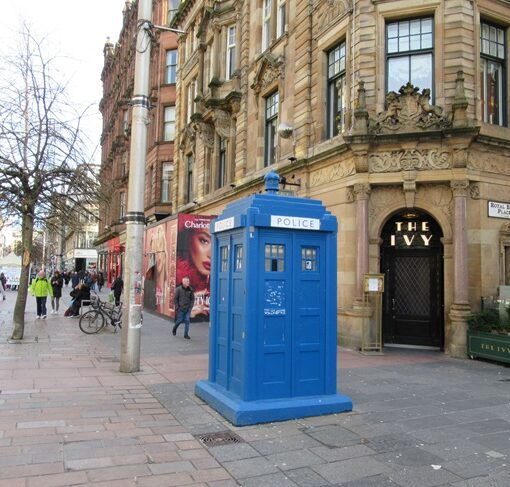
(194, 260)
(173, 249)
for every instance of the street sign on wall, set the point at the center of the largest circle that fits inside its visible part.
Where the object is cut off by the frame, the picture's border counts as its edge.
(497, 209)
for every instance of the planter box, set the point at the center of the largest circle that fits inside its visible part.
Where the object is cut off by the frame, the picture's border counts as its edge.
(489, 346)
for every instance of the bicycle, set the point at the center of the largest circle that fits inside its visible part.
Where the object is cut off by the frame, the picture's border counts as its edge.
(101, 314)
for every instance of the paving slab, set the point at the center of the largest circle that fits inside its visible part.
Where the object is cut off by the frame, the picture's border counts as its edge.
(69, 417)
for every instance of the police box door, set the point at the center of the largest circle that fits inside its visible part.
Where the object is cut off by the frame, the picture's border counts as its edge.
(412, 261)
(292, 300)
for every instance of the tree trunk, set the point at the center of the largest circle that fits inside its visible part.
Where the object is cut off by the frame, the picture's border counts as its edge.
(27, 235)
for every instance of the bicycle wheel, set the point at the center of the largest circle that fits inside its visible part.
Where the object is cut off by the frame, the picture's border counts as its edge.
(91, 322)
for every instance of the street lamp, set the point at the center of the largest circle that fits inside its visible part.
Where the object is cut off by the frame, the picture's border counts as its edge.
(135, 216)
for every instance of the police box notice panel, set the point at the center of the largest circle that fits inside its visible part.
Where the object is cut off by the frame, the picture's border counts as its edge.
(499, 210)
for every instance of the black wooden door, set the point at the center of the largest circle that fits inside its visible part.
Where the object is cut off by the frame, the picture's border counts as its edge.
(412, 261)
(413, 305)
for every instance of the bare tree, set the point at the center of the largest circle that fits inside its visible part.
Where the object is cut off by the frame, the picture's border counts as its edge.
(43, 159)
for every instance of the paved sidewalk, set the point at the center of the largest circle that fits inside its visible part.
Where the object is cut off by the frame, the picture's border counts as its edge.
(68, 417)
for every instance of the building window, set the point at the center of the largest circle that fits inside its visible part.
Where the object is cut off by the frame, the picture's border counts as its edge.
(81, 241)
(124, 161)
(166, 179)
(171, 66)
(270, 139)
(122, 204)
(173, 8)
(222, 162)
(492, 72)
(336, 90)
(409, 48)
(274, 20)
(231, 51)
(281, 18)
(274, 258)
(191, 99)
(189, 178)
(169, 124)
(125, 122)
(266, 23)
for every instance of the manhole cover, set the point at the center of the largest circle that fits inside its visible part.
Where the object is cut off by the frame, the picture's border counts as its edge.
(219, 438)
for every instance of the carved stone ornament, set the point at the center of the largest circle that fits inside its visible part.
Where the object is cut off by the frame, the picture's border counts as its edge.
(335, 172)
(505, 229)
(459, 188)
(438, 196)
(205, 131)
(408, 111)
(329, 11)
(474, 191)
(403, 160)
(223, 123)
(270, 69)
(382, 198)
(187, 137)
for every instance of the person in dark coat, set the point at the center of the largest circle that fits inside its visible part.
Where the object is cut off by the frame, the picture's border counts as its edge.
(183, 300)
(57, 282)
(80, 293)
(117, 287)
(100, 281)
(75, 279)
(3, 284)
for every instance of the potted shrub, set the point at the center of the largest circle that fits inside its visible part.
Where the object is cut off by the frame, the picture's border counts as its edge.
(489, 335)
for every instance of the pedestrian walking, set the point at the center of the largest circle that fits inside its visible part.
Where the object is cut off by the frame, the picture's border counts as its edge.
(41, 289)
(67, 277)
(117, 287)
(100, 281)
(184, 299)
(3, 284)
(57, 282)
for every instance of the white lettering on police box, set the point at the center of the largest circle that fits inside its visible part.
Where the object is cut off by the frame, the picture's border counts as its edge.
(223, 225)
(295, 222)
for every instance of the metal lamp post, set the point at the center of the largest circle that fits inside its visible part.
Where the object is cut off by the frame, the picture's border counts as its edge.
(135, 217)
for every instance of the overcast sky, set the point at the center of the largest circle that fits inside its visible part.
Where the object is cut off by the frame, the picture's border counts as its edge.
(78, 31)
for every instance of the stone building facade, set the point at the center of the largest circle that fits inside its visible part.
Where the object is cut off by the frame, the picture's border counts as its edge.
(118, 82)
(394, 113)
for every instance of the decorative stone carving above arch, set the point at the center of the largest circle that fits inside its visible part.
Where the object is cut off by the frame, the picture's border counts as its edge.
(269, 70)
(409, 111)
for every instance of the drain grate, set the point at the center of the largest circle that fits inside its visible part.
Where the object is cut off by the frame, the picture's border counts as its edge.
(219, 438)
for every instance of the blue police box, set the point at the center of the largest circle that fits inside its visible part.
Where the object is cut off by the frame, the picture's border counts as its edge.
(272, 344)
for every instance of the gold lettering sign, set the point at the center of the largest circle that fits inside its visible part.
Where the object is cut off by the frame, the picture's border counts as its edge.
(411, 233)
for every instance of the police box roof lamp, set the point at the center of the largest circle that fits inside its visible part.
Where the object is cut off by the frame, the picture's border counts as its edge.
(272, 181)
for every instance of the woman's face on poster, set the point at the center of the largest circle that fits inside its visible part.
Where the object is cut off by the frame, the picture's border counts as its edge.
(200, 251)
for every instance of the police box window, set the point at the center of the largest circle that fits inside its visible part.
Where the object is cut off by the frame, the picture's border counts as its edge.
(238, 253)
(309, 259)
(224, 258)
(274, 258)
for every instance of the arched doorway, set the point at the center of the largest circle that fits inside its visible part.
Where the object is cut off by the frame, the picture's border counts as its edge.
(412, 261)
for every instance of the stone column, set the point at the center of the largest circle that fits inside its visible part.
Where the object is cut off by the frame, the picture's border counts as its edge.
(361, 194)
(456, 336)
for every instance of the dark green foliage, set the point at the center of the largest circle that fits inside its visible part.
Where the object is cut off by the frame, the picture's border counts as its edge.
(489, 321)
